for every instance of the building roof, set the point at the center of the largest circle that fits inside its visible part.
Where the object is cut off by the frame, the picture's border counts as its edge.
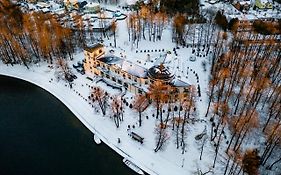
(94, 47)
(156, 72)
(179, 83)
(43, 5)
(134, 69)
(73, 1)
(92, 4)
(265, 1)
(125, 65)
(131, 2)
(245, 2)
(160, 72)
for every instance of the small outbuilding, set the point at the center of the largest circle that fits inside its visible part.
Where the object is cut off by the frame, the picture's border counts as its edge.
(263, 4)
(92, 8)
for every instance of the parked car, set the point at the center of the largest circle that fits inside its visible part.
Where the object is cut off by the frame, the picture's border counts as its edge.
(89, 78)
(117, 13)
(192, 58)
(74, 76)
(74, 66)
(79, 64)
(81, 71)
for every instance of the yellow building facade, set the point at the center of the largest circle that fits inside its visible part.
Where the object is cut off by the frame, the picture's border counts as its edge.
(130, 76)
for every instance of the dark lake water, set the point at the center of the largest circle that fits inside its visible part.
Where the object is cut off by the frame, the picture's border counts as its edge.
(40, 136)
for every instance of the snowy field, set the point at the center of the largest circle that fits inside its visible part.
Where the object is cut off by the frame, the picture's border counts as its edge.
(181, 61)
(143, 155)
(168, 162)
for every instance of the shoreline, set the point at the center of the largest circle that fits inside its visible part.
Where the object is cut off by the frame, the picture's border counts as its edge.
(79, 116)
(38, 79)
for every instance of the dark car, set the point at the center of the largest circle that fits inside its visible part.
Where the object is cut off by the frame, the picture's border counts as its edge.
(74, 66)
(74, 76)
(79, 64)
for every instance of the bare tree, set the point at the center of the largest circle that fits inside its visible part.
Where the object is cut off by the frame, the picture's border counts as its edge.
(64, 71)
(100, 96)
(116, 108)
(140, 103)
(161, 136)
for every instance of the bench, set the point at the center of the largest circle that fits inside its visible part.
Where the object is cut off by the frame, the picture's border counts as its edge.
(137, 137)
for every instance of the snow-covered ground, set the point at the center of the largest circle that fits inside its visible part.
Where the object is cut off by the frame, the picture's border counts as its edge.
(167, 162)
(142, 155)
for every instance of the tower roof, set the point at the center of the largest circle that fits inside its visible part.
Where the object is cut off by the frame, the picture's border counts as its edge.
(160, 72)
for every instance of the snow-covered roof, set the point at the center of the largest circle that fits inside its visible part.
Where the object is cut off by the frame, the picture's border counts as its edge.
(74, 1)
(265, 1)
(133, 69)
(93, 47)
(125, 65)
(43, 5)
(213, 1)
(155, 72)
(45, 10)
(59, 11)
(160, 72)
(179, 83)
(131, 2)
(92, 4)
(54, 5)
(245, 2)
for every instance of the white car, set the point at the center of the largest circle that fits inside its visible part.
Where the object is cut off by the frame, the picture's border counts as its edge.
(192, 58)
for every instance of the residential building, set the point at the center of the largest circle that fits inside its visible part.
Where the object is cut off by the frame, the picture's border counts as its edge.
(263, 4)
(131, 76)
(92, 8)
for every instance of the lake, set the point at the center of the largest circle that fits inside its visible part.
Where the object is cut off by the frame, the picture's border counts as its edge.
(40, 136)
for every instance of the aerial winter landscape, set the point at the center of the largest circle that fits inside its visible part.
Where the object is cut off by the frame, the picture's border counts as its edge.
(175, 87)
